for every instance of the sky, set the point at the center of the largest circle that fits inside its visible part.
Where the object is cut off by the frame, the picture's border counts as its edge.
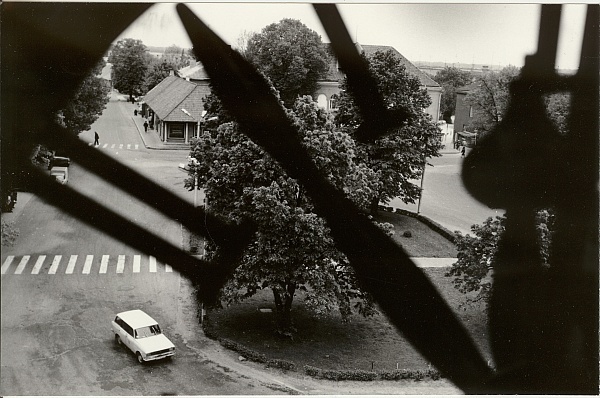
(490, 34)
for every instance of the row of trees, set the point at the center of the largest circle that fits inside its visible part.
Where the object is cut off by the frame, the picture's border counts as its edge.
(293, 250)
(135, 71)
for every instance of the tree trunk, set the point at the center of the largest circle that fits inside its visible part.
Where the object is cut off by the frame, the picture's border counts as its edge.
(284, 295)
(375, 206)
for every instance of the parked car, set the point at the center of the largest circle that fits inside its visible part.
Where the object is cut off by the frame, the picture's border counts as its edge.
(61, 174)
(60, 161)
(142, 335)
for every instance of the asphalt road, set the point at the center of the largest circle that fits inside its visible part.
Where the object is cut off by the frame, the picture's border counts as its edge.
(445, 200)
(63, 282)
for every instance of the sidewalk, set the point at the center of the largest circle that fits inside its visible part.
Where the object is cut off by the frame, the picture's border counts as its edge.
(151, 139)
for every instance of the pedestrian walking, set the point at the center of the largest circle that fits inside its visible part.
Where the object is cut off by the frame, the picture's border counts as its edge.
(96, 138)
(462, 152)
(146, 126)
(135, 112)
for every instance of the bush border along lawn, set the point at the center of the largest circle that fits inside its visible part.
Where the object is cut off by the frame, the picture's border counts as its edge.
(362, 350)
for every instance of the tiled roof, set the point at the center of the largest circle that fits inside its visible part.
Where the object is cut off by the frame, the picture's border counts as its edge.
(171, 96)
(335, 75)
(466, 89)
(194, 72)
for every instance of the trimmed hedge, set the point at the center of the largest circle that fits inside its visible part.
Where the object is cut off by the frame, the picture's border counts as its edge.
(365, 375)
(281, 364)
(246, 352)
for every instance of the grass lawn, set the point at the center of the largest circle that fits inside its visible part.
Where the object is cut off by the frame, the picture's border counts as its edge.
(364, 343)
(424, 241)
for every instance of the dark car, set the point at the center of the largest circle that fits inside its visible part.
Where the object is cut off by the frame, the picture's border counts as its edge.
(59, 161)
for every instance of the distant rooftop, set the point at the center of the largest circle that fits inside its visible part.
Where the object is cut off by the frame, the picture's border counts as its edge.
(368, 49)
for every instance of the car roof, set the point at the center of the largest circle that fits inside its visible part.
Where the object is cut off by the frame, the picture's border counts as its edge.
(137, 318)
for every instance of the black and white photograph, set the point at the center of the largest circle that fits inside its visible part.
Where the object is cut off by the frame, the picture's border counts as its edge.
(288, 198)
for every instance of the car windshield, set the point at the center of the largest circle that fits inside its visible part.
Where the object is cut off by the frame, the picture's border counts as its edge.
(147, 331)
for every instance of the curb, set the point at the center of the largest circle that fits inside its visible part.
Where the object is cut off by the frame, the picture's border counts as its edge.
(176, 147)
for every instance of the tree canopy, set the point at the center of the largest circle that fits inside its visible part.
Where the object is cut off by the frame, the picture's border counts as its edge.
(158, 70)
(292, 250)
(397, 158)
(451, 78)
(130, 61)
(88, 103)
(476, 255)
(490, 98)
(291, 55)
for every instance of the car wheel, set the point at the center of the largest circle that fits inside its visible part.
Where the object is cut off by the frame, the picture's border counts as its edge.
(118, 339)
(140, 358)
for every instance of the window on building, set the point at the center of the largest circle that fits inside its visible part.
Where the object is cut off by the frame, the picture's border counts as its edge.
(322, 101)
(333, 102)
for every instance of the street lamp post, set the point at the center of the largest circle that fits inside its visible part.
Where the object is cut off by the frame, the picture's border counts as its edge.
(422, 179)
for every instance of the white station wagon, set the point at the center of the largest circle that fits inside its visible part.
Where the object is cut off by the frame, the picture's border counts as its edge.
(142, 335)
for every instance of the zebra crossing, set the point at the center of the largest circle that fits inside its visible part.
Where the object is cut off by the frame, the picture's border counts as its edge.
(133, 147)
(82, 264)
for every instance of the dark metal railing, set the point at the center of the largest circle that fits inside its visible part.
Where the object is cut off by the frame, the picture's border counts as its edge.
(543, 324)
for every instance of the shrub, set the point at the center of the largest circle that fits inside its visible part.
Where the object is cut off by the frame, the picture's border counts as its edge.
(9, 233)
(365, 375)
(476, 255)
(281, 364)
(246, 352)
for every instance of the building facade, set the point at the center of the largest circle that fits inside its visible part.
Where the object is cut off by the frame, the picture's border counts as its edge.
(463, 117)
(329, 86)
(175, 108)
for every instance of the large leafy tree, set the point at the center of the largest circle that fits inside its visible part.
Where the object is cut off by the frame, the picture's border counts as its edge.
(490, 98)
(87, 104)
(451, 78)
(477, 253)
(158, 70)
(176, 56)
(397, 158)
(291, 55)
(292, 249)
(130, 60)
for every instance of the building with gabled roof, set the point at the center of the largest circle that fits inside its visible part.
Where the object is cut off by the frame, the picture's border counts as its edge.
(329, 85)
(175, 107)
(194, 72)
(463, 116)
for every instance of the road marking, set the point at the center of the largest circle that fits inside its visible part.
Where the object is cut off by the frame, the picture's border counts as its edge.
(38, 265)
(71, 265)
(120, 146)
(136, 263)
(6, 264)
(128, 146)
(54, 265)
(104, 264)
(22, 265)
(87, 267)
(168, 268)
(121, 264)
(112, 146)
(152, 264)
(104, 146)
(136, 146)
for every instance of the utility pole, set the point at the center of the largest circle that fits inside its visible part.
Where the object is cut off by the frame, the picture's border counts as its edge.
(422, 179)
